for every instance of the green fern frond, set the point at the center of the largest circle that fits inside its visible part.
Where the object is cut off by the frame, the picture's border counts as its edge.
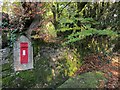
(83, 34)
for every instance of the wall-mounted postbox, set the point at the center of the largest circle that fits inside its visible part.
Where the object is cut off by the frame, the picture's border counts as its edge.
(23, 52)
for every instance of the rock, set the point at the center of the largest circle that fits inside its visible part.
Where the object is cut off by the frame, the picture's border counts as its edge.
(4, 55)
(53, 53)
(86, 80)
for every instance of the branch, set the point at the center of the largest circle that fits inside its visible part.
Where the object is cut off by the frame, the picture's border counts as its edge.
(63, 8)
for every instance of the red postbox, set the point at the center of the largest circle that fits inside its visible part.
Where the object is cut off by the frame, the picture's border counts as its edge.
(24, 53)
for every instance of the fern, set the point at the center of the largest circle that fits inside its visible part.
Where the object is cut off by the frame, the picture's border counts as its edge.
(83, 34)
(85, 29)
(68, 29)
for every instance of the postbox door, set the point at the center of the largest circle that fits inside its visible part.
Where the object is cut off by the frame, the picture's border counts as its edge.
(23, 53)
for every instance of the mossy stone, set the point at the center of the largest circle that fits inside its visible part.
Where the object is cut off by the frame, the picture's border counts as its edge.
(86, 80)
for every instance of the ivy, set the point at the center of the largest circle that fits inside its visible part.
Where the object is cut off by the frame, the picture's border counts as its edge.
(12, 37)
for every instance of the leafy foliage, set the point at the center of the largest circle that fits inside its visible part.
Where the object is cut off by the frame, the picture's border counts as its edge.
(85, 30)
(83, 34)
(18, 19)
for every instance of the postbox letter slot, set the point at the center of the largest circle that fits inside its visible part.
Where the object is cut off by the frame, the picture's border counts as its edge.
(23, 52)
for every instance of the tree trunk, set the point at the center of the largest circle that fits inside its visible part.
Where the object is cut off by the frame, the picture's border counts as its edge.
(33, 25)
(33, 8)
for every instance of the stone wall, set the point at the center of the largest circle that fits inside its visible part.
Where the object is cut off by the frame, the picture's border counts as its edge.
(4, 60)
(3, 55)
(0, 39)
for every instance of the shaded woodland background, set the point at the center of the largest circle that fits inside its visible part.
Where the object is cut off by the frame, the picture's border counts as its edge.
(71, 40)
